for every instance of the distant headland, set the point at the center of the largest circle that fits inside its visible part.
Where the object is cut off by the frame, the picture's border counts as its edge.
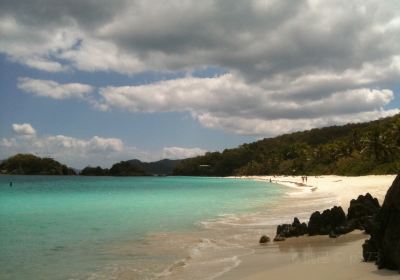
(28, 164)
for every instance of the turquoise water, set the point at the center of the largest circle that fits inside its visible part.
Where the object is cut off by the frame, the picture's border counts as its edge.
(58, 227)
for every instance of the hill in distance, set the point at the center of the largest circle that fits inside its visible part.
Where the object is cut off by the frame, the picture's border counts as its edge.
(352, 149)
(134, 167)
(28, 164)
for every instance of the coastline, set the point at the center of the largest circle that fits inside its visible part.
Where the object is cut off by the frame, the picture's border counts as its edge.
(344, 188)
(317, 257)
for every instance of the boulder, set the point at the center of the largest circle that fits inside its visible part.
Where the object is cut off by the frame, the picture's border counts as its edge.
(315, 223)
(291, 230)
(328, 221)
(370, 252)
(363, 206)
(384, 244)
(264, 239)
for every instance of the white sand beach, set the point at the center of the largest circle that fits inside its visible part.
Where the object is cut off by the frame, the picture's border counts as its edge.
(318, 257)
(344, 188)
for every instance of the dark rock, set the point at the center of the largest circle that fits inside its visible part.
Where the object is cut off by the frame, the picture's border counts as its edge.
(324, 223)
(332, 234)
(384, 244)
(370, 252)
(291, 230)
(344, 229)
(363, 206)
(315, 223)
(279, 238)
(264, 239)
(296, 222)
(368, 224)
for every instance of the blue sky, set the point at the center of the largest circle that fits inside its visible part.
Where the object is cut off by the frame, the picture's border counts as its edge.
(98, 82)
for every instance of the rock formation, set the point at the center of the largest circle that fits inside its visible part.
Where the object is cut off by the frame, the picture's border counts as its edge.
(329, 220)
(384, 244)
(290, 230)
(334, 222)
(264, 239)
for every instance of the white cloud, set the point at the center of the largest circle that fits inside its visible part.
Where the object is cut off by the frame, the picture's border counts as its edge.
(258, 126)
(45, 64)
(73, 151)
(78, 153)
(228, 103)
(258, 39)
(180, 152)
(23, 129)
(310, 61)
(52, 89)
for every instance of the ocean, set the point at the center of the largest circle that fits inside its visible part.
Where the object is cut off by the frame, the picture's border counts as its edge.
(70, 227)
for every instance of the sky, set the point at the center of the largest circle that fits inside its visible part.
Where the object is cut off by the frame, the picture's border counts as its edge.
(95, 82)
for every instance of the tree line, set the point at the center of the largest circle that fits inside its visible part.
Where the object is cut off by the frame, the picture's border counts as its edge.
(352, 149)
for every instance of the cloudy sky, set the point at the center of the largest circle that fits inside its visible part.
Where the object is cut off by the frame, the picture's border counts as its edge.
(93, 82)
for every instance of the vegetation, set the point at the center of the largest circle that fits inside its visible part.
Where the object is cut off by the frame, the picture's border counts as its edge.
(161, 167)
(94, 171)
(352, 149)
(133, 167)
(28, 164)
(125, 168)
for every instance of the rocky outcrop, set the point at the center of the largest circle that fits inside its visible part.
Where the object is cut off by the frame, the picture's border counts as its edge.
(384, 244)
(364, 205)
(290, 230)
(327, 221)
(334, 222)
(362, 212)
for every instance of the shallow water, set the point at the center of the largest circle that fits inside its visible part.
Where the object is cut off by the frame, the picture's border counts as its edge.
(131, 228)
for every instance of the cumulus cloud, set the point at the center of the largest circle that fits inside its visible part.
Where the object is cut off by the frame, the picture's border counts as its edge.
(74, 151)
(78, 152)
(314, 61)
(259, 39)
(52, 89)
(23, 129)
(227, 103)
(258, 126)
(180, 152)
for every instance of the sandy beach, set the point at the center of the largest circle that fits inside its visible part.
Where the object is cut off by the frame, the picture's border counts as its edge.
(318, 257)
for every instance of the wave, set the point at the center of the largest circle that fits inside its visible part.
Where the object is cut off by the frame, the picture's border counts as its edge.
(217, 245)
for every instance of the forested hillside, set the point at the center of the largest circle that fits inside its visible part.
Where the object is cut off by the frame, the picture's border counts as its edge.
(133, 167)
(28, 164)
(352, 149)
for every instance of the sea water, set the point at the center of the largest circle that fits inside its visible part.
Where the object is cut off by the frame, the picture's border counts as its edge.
(70, 227)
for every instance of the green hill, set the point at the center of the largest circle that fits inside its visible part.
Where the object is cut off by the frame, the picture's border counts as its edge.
(352, 149)
(133, 167)
(28, 164)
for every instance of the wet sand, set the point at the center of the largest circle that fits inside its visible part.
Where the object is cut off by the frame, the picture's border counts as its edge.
(317, 257)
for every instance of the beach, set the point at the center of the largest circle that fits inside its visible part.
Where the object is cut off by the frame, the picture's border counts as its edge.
(177, 228)
(317, 257)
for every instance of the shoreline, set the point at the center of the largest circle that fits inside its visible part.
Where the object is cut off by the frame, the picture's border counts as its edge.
(344, 188)
(310, 257)
(317, 257)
